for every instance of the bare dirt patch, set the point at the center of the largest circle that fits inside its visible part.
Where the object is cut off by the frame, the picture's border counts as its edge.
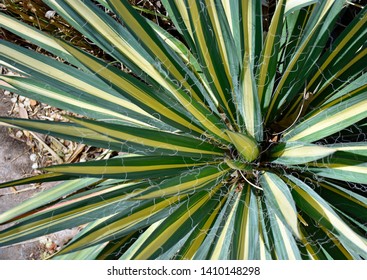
(16, 163)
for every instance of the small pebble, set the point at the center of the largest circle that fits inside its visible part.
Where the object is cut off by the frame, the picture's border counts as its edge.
(50, 14)
(19, 134)
(27, 102)
(33, 157)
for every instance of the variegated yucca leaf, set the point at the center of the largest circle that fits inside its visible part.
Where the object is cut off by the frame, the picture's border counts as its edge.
(241, 135)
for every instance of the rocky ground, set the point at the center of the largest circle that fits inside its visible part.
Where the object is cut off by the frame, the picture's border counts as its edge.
(16, 161)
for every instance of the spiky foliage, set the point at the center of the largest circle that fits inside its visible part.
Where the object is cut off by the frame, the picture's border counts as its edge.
(239, 139)
(38, 14)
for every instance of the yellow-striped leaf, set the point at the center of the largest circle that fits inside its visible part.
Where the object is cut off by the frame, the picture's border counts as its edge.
(37, 37)
(284, 243)
(180, 18)
(46, 197)
(221, 247)
(77, 210)
(142, 215)
(37, 179)
(190, 182)
(293, 5)
(189, 249)
(250, 30)
(85, 104)
(357, 148)
(131, 167)
(220, 63)
(245, 145)
(248, 102)
(246, 237)
(321, 212)
(76, 82)
(345, 53)
(329, 121)
(269, 57)
(178, 224)
(148, 55)
(290, 153)
(67, 131)
(146, 97)
(218, 238)
(281, 201)
(352, 205)
(341, 166)
(149, 141)
(265, 246)
(304, 56)
(140, 240)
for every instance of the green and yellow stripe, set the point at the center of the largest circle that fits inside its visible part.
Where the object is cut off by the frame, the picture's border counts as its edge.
(281, 201)
(329, 121)
(290, 153)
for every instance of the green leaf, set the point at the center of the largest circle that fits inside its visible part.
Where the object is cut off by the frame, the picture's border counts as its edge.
(37, 179)
(75, 210)
(221, 247)
(269, 58)
(322, 245)
(189, 250)
(245, 145)
(293, 153)
(178, 224)
(84, 105)
(134, 167)
(137, 91)
(250, 30)
(89, 253)
(280, 200)
(265, 247)
(341, 166)
(187, 182)
(284, 243)
(66, 79)
(69, 131)
(179, 13)
(125, 222)
(150, 56)
(236, 129)
(316, 33)
(329, 120)
(348, 202)
(356, 148)
(46, 197)
(219, 62)
(140, 240)
(217, 241)
(149, 141)
(190, 60)
(246, 240)
(152, 44)
(37, 37)
(340, 58)
(293, 5)
(248, 102)
(320, 211)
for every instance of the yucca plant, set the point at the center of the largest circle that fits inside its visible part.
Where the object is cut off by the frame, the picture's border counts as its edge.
(238, 139)
(37, 13)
